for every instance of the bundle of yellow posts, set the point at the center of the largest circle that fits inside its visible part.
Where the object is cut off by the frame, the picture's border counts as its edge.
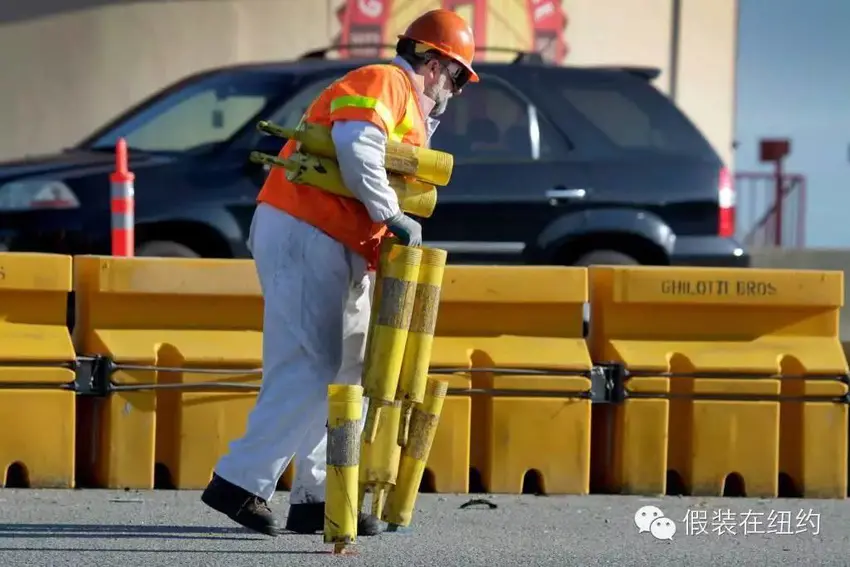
(404, 403)
(413, 172)
(388, 458)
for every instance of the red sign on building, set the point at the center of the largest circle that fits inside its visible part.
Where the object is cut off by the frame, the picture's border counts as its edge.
(549, 21)
(364, 23)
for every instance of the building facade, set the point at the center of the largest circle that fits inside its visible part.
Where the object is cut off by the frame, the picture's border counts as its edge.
(68, 66)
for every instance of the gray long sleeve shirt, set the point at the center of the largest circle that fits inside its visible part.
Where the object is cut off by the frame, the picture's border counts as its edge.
(360, 151)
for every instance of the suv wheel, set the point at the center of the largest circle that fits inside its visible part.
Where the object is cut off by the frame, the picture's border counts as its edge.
(165, 249)
(606, 257)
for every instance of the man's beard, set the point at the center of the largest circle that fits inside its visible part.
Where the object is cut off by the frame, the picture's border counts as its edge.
(439, 106)
(441, 96)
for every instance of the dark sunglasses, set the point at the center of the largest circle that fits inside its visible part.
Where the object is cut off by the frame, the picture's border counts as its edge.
(457, 73)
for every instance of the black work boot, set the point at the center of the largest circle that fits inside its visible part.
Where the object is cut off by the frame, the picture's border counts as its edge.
(309, 518)
(240, 506)
(368, 525)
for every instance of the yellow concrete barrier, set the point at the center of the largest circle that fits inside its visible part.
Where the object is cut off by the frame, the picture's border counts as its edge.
(733, 377)
(527, 320)
(37, 405)
(158, 319)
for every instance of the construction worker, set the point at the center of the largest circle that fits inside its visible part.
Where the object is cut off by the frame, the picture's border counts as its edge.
(315, 253)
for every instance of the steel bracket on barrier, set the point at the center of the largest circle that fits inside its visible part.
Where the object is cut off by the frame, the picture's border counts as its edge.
(601, 385)
(91, 376)
(615, 382)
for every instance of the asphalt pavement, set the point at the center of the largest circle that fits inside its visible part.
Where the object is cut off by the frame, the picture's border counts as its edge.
(83, 528)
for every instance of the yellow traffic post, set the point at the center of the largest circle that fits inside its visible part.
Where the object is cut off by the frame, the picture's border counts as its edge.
(398, 510)
(383, 253)
(345, 406)
(366, 454)
(420, 336)
(425, 164)
(379, 460)
(414, 197)
(382, 365)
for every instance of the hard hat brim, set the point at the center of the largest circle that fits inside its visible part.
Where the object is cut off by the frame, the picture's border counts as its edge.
(473, 76)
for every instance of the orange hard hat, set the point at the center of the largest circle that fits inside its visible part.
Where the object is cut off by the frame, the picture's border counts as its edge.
(446, 32)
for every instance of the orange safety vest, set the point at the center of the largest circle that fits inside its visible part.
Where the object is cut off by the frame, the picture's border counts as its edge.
(382, 94)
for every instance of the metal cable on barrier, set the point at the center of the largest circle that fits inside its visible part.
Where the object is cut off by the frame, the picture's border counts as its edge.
(205, 386)
(733, 375)
(66, 386)
(224, 386)
(459, 370)
(620, 378)
(845, 399)
(70, 386)
(185, 370)
(609, 382)
(70, 365)
(101, 365)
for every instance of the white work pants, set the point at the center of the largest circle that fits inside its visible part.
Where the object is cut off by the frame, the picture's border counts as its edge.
(317, 306)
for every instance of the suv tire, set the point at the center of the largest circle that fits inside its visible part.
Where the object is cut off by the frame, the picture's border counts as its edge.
(606, 257)
(165, 249)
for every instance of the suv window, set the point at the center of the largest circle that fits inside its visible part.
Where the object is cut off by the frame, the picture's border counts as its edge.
(199, 115)
(485, 122)
(489, 122)
(634, 116)
(290, 113)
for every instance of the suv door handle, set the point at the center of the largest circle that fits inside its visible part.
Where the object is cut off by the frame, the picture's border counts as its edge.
(565, 194)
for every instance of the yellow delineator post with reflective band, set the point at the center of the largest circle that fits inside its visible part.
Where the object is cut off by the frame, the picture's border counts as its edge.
(171, 314)
(37, 403)
(387, 244)
(414, 197)
(420, 336)
(522, 318)
(427, 165)
(345, 407)
(379, 459)
(423, 426)
(382, 364)
(743, 339)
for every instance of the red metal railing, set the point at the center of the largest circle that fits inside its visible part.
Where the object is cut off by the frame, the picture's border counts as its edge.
(771, 210)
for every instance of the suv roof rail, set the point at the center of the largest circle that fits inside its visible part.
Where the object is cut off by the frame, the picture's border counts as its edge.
(648, 73)
(521, 56)
(322, 52)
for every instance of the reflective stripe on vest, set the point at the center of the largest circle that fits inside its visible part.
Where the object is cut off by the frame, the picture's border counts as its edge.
(396, 132)
(406, 124)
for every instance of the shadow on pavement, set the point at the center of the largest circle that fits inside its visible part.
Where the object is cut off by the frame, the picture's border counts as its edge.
(17, 531)
(199, 551)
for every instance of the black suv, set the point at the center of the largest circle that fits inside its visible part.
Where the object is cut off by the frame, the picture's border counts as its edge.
(553, 165)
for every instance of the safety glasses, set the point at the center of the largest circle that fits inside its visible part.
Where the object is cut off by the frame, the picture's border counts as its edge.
(457, 73)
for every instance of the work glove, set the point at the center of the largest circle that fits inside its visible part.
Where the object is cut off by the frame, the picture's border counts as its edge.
(408, 231)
